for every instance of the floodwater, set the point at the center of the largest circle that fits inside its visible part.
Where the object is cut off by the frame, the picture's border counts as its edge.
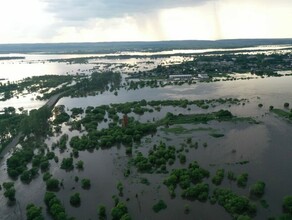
(36, 64)
(267, 147)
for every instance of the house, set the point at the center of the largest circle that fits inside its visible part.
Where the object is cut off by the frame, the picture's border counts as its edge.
(203, 76)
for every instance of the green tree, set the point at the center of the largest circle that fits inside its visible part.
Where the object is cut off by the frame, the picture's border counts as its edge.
(258, 189)
(33, 212)
(118, 211)
(75, 199)
(10, 194)
(287, 204)
(67, 163)
(52, 184)
(79, 165)
(160, 205)
(9, 190)
(120, 188)
(101, 212)
(85, 183)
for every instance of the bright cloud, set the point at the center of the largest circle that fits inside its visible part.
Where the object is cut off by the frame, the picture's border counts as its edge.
(132, 20)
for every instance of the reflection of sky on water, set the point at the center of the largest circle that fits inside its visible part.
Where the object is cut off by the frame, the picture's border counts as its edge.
(14, 70)
(272, 91)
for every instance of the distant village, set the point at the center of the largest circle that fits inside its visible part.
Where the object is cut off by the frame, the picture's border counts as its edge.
(205, 67)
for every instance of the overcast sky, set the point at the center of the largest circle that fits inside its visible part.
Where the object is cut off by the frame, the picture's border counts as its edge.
(32, 21)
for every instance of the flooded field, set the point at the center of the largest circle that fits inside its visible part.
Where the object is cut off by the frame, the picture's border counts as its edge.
(265, 145)
(260, 146)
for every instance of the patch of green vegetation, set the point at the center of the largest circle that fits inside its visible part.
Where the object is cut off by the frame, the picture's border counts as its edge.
(9, 191)
(17, 163)
(258, 189)
(181, 130)
(234, 204)
(145, 181)
(264, 204)
(33, 212)
(287, 204)
(55, 207)
(216, 135)
(53, 184)
(75, 199)
(101, 212)
(28, 175)
(85, 183)
(80, 165)
(120, 188)
(134, 131)
(242, 180)
(160, 205)
(200, 192)
(120, 211)
(61, 118)
(231, 176)
(156, 160)
(10, 126)
(67, 164)
(185, 177)
(222, 115)
(282, 113)
(175, 130)
(242, 162)
(218, 178)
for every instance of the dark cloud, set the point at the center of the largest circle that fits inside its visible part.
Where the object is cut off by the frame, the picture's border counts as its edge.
(79, 10)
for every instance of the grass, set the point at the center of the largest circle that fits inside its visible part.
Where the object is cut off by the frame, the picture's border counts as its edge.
(222, 115)
(282, 113)
(181, 130)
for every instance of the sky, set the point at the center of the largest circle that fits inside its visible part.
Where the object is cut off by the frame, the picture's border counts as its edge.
(52, 21)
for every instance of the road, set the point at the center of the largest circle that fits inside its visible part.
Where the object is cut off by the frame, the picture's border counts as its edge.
(53, 100)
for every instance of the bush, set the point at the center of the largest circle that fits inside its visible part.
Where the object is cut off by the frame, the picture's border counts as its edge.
(218, 178)
(9, 190)
(67, 163)
(85, 183)
(79, 165)
(46, 176)
(182, 158)
(101, 212)
(52, 184)
(120, 188)
(55, 207)
(33, 212)
(234, 204)
(286, 105)
(287, 204)
(200, 191)
(75, 199)
(258, 189)
(159, 206)
(242, 180)
(119, 211)
(10, 194)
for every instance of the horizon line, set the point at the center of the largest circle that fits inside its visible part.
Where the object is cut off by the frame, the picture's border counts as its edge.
(143, 41)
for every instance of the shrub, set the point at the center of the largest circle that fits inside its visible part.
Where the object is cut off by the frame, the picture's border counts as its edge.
(75, 199)
(159, 206)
